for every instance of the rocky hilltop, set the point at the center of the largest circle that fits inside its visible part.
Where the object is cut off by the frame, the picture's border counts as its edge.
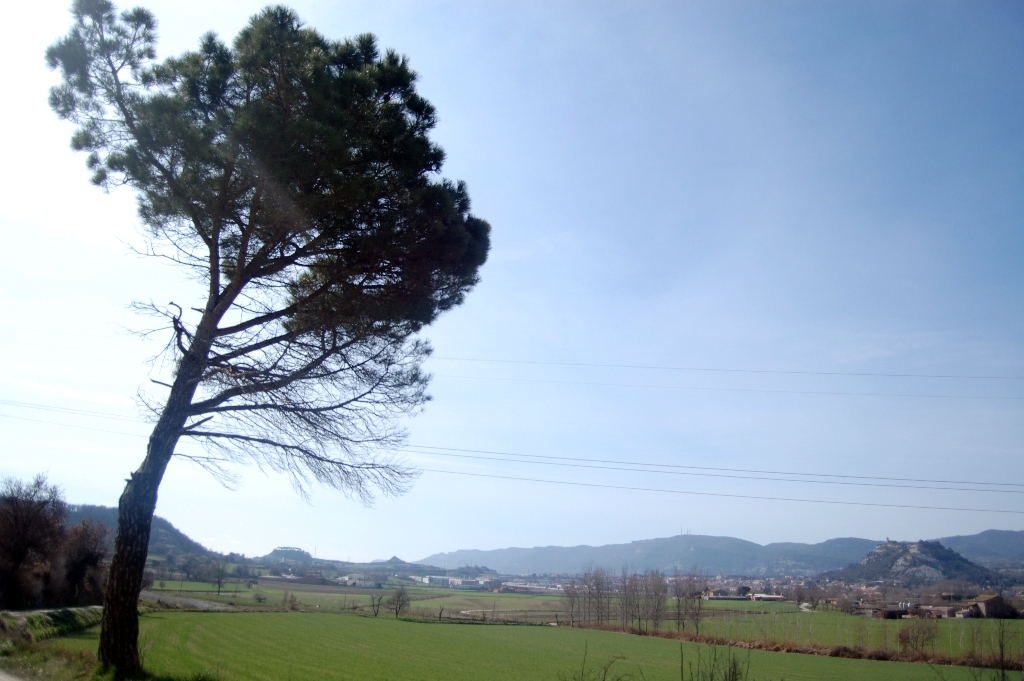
(911, 564)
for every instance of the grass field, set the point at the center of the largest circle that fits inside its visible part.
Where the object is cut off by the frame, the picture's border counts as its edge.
(426, 601)
(733, 620)
(279, 646)
(956, 638)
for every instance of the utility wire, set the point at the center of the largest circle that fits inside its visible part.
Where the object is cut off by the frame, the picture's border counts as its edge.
(634, 464)
(595, 463)
(726, 370)
(621, 487)
(69, 410)
(730, 496)
(730, 370)
(68, 425)
(721, 475)
(728, 470)
(732, 390)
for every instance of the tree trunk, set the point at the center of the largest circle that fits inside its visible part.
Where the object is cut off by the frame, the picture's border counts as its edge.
(119, 636)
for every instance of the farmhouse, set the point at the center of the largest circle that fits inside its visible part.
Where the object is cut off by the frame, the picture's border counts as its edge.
(936, 611)
(988, 605)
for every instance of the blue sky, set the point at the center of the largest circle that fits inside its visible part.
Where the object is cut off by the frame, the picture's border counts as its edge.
(791, 186)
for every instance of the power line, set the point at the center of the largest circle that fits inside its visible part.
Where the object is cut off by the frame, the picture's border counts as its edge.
(727, 370)
(728, 470)
(630, 466)
(69, 410)
(733, 390)
(731, 370)
(722, 475)
(83, 412)
(69, 425)
(730, 496)
(622, 487)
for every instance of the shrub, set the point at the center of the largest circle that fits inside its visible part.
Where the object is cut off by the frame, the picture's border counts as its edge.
(918, 635)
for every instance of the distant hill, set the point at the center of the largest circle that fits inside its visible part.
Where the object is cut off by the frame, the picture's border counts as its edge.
(715, 555)
(725, 555)
(163, 538)
(287, 553)
(913, 564)
(991, 548)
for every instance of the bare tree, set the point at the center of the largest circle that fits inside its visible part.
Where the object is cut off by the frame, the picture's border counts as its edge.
(586, 595)
(1005, 632)
(375, 604)
(800, 595)
(293, 177)
(679, 600)
(602, 595)
(918, 635)
(655, 595)
(399, 601)
(632, 599)
(625, 607)
(571, 602)
(814, 595)
(594, 590)
(695, 586)
(219, 573)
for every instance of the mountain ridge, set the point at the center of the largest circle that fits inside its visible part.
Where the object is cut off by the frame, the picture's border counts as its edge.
(725, 555)
(713, 554)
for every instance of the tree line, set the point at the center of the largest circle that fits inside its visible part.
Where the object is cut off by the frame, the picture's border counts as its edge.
(43, 562)
(640, 601)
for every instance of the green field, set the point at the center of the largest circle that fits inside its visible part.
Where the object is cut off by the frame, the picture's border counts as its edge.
(277, 646)
(956, 637)
(732, 620)
(426, 601)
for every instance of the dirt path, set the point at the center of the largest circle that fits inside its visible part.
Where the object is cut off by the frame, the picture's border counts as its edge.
(4, 676)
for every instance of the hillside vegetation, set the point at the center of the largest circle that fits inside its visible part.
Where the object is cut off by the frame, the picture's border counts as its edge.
(164, 537)
(991, 548)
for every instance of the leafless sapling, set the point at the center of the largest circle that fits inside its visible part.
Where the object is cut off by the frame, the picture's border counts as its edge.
(399, 601)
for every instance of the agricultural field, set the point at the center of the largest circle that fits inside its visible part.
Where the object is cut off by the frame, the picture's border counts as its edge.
(426, 601)
(953, 638)
(276, 646)
(732, 620)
